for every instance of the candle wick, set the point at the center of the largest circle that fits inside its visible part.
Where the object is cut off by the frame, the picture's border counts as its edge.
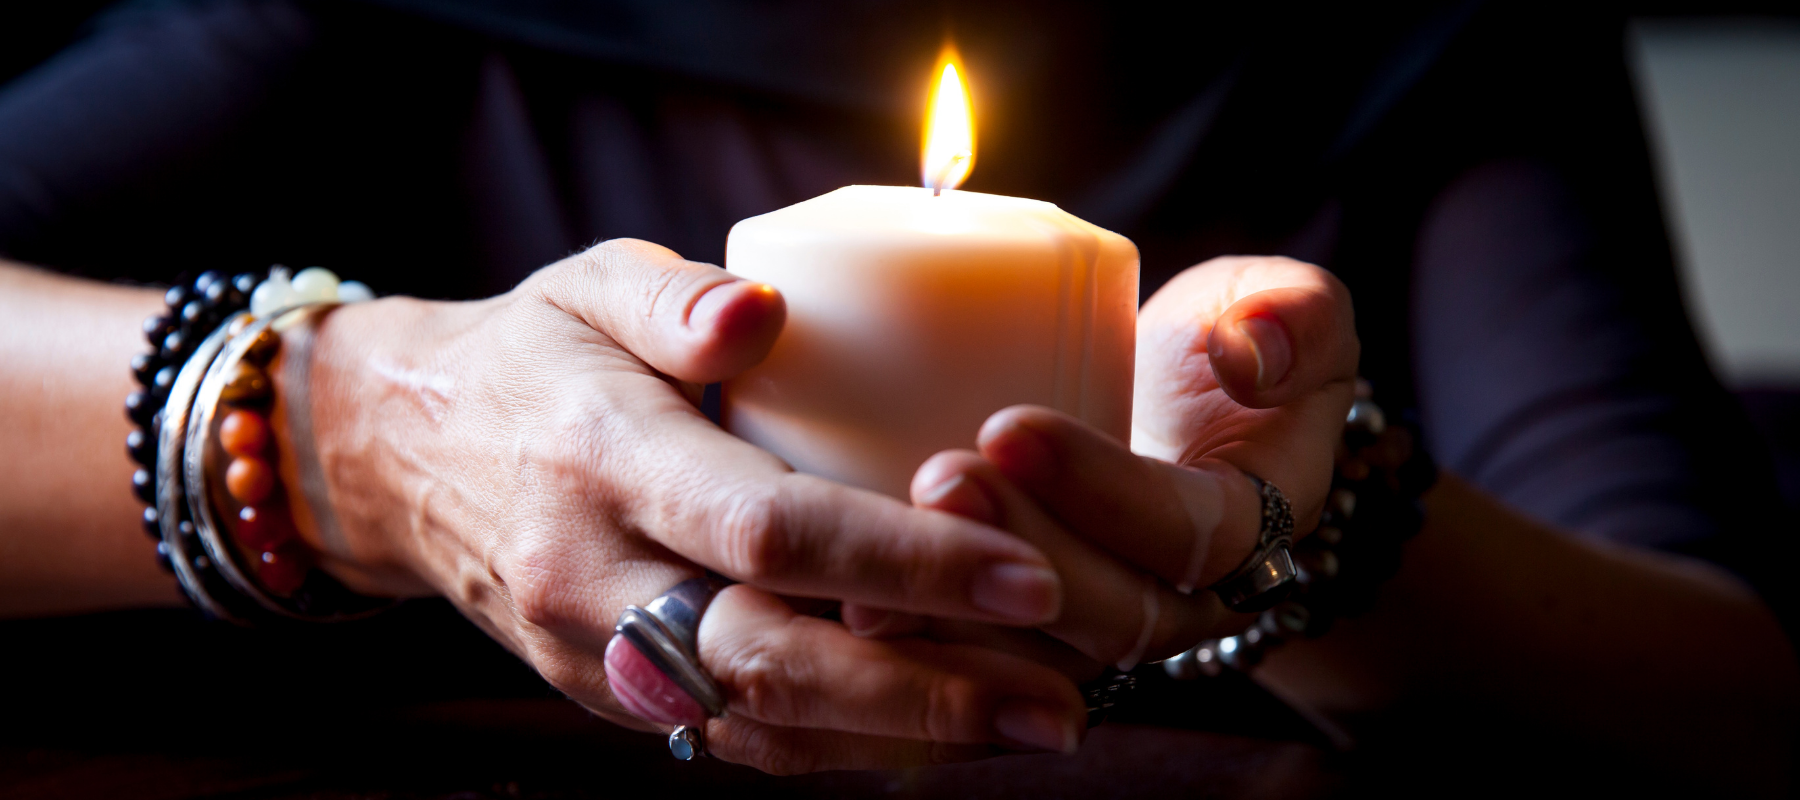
(943, 174)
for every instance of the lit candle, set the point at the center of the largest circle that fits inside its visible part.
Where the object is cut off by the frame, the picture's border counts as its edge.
(915, 313)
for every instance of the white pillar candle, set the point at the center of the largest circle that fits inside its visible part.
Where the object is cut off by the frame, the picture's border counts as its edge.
(914, 314)
(913, 317)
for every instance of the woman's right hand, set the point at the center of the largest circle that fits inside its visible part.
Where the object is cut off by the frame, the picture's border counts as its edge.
(538, 458)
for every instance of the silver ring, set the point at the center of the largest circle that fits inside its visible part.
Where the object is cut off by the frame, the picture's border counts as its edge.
(667, 631)
(1268, 575)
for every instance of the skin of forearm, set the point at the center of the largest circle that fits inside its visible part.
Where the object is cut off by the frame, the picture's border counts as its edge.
(1494, 616)
(70, 536)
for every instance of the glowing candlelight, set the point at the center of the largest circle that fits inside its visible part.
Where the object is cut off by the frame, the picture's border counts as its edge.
(914, 313)
(949, 152)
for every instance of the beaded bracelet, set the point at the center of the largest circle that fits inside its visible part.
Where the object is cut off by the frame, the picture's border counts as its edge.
(207, 449)
(195, 309)
(1371, 512)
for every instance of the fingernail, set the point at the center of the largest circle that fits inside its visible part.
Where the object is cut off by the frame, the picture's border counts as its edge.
(863, 620)
(963, 496)
(705, 311)
(1269, 343)
(1019, 451)
(1032, 724)
(1024, 594)
(644, 691)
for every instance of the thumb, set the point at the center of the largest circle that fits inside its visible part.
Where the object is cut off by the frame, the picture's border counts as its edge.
(692, 321)
(1272, 347)
(1273, 329)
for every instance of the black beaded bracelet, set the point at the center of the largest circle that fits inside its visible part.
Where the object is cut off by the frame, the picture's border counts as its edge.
(1372, 511)
(195, 309)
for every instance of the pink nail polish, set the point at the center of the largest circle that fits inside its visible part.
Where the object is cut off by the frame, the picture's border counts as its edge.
(644, 691)
(705, 310)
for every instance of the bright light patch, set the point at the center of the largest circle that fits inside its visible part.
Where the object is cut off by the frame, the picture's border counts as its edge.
(949, 152)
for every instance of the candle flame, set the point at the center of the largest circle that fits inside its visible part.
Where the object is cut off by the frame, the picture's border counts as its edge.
(949, 151)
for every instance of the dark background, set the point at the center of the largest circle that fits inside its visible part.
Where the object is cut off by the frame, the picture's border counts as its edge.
(418, 704)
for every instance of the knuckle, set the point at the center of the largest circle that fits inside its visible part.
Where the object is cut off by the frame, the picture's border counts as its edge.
(539, 586)
(597, 268)
(571, 274)
(757, 544)
(762, 680)
(657, 288)
(539, 607)
(605, 258)
(948, 708)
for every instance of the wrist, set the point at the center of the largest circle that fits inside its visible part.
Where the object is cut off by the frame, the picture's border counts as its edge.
(337, 422)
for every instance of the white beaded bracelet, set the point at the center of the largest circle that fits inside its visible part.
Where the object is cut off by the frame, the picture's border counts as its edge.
(310, 285)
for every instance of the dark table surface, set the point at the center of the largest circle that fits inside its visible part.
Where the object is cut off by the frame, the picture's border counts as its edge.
(417, 703)
(551, 749)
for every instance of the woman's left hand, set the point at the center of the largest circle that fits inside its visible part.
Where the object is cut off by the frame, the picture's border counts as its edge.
(1245, 365)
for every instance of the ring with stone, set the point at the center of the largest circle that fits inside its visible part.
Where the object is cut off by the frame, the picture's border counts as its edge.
(1268, 575)
(653, 665)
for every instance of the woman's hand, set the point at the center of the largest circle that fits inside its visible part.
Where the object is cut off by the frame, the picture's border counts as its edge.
(1244, 365)
(538, 459)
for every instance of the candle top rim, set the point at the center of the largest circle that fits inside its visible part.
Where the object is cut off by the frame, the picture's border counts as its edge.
(871, 213)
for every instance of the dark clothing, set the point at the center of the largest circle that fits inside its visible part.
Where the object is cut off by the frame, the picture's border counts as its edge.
(1478, 179)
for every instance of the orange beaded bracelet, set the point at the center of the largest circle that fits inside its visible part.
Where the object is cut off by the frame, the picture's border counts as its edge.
(254, 508)
(233, 483)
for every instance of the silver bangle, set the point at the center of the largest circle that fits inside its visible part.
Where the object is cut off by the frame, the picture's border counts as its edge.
(202, 468)
(178, 532)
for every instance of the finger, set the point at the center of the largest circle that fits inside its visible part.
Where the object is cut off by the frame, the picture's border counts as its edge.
(1273, 329)
(737, 738)
(781, 668)
(731, 507)
(956, 496)
(1191, 526)
(1026, 643)
(1112, 612)
(1274, 346)
(734, 508)
(693, 321)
